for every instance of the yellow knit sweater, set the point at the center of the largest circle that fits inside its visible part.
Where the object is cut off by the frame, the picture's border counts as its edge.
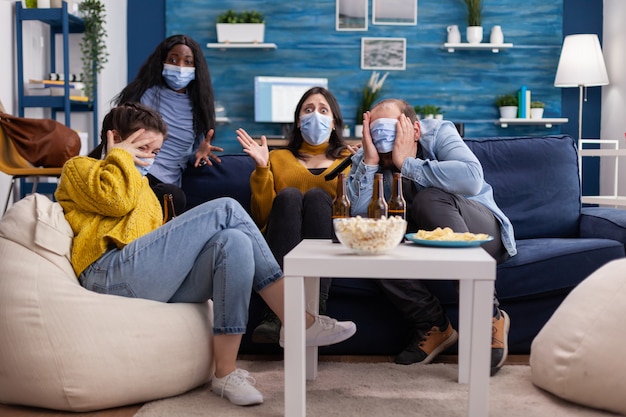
(108, 204)
(283, 171)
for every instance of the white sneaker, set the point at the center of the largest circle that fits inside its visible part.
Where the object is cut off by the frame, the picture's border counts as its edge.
(325, 331)
(238, 388)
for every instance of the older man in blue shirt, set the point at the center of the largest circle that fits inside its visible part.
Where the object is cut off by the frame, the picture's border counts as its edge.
(443, 186)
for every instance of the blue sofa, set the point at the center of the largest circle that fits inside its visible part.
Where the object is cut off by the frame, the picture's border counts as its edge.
(535, 182)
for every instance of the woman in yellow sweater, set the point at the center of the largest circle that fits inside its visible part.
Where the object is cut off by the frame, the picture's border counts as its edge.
(291, 200)
(121, 247)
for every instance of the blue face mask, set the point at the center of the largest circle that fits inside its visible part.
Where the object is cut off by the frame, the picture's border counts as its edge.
(177, 77)
(315, 128)
(383, 133)
(143, 170)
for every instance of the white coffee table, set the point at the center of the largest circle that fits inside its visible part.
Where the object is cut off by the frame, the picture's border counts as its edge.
(314, 258)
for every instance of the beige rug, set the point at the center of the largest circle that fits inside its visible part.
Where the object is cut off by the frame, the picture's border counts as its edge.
(377, 390)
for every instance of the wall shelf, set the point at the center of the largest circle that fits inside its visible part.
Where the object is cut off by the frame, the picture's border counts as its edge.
(518, 121)
(495, 47)
(224, 46)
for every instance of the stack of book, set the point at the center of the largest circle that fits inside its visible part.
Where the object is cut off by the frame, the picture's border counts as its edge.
(55, 88)
(523, 103)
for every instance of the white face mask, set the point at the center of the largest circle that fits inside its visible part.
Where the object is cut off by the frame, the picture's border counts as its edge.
(143, 170)
(177, 77)
(315, 128)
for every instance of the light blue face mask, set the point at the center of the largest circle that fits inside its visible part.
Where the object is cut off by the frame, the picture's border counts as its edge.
(315, 128)
(383, 133)
(143, 170)
(177, 77)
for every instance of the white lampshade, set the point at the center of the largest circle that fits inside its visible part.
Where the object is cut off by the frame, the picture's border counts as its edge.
(581, 63)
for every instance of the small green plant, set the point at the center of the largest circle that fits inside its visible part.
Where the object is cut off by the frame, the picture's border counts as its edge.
(248, 16)
(506, 100)
(430, 109)
(474, 12)
(370, 94)
(93, 45)
(537, 105)
(418, 109)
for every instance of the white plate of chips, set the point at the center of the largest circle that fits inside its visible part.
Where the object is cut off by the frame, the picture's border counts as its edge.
(446, 237)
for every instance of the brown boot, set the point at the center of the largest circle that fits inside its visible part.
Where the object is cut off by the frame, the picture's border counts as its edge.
(425, 346)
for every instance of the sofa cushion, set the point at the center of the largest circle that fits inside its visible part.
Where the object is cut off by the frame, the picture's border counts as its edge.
(67, 348)
(578, 354)
(535, 182)
(230, 178)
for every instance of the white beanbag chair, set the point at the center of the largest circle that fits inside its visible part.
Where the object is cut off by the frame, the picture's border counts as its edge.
(67, 348)
(579, 354)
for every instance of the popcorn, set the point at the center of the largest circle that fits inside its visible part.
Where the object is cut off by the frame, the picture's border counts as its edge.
(370, 236)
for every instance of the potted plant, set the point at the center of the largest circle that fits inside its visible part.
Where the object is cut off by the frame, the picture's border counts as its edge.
(418, 110)
(474, 32)
(536, 109)
(507, 104)
(370, 94)
(243, 27)
(430, 111)
(92, 46)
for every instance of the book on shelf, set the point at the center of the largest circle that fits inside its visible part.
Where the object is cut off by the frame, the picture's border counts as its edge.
(523, 103)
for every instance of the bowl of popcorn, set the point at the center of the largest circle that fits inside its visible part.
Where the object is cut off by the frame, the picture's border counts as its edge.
(370, 236)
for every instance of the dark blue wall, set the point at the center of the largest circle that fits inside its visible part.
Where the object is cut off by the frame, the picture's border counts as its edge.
(145, 24)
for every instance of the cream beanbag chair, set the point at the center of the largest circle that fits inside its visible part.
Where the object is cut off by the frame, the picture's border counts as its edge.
(579, 354)
(67, 348)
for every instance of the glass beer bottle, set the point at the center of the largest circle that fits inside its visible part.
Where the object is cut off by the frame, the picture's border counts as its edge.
(341, 204)
(377, 207)
(397, 204)
(168, 208)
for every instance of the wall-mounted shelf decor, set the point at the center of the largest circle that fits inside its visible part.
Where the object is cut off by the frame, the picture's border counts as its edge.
(518, 121)
(495, 47)
(224, 46)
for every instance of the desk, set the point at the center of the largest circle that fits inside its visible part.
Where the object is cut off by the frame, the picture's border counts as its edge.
(473, 267)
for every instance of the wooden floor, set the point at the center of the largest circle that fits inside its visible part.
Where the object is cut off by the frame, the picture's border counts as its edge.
(129, 411)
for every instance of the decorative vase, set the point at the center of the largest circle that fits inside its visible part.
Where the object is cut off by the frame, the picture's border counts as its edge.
(536, 113)
(508, 112)
(358, 131)
(496, 35)
(454, 36)
(474, 34)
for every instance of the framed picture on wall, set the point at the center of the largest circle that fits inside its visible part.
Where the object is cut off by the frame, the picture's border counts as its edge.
(351, 15)
(383, 53)
(394, 12)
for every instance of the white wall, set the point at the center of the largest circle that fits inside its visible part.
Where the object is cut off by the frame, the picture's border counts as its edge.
(35, 34)
(614, 95)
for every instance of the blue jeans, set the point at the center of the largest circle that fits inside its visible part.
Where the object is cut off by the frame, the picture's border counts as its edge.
(213, 251)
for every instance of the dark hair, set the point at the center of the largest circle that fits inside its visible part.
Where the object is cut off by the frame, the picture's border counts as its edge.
(336, 143)
(200, 90)
(405, 107)
(126, 119)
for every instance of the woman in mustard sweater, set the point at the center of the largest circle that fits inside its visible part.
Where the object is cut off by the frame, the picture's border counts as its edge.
(291, 200)
(121, 247)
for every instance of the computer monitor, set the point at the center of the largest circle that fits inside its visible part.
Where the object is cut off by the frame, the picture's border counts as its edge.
(276, 98)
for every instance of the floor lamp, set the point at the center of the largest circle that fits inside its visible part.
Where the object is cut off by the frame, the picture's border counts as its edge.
(581, 65)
